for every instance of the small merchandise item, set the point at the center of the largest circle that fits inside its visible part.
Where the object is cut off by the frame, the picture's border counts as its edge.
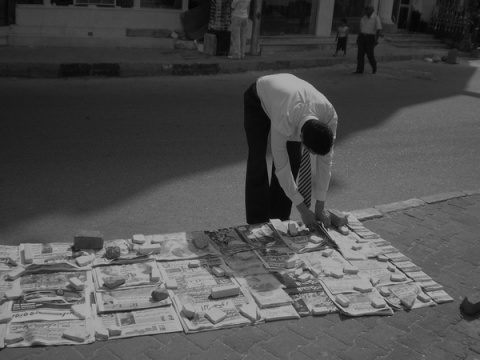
(159, 294)
(218, 292)
(114, 330)
(342, 300)
(112, 252)
(114, 281)
(88, 240)
(139, 239)
(188, 310)
(249, 311)
(171, 284)
(76, 334)
(378, 303)
(215, 315)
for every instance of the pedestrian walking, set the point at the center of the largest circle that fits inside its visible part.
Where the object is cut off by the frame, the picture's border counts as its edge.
(238, 28)
(342, 37)
(370, 27)
(296, 116)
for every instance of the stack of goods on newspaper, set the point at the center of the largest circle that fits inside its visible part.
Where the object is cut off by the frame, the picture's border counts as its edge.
(95, 289)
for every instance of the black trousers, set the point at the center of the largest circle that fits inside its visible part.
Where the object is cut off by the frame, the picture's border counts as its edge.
(264, 199)
(366, 46)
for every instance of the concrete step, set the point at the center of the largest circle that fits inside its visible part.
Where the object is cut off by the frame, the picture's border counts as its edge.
(300, 43)
(4, 35)
(407, 40)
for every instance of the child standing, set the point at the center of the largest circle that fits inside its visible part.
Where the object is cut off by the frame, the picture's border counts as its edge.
(342, 37)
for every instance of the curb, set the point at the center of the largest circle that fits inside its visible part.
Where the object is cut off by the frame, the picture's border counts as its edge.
(107, 69)
(380, 211)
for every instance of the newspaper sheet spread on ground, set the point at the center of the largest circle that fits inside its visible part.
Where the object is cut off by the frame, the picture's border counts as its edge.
(279, 313)
(273, 276)
(36, 333)
(5, 284)
(195, 288)
(49, 297)
(228, 241)
(266, 290)
(128, 253)
(9, 257)
(135, 274)
(180, 246)
(360, 304)
(246, 263)
(128, 299)
(302, 240)
(51, 257)
(354, 247)
(406, 296)
(313, 303)
(323, 262)
(3, 332)
(159, 320)
(261, 236)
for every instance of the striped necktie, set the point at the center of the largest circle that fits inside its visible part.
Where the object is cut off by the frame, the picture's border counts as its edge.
(305, 177)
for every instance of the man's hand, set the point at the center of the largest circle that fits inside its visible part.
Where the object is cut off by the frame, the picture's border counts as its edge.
(308, 217)
(322, 214)
(324, 217)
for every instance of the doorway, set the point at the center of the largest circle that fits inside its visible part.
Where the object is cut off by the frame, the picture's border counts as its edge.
(402, 10)
(288, 17)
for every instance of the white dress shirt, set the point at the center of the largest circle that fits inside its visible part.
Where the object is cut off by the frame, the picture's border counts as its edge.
(289, 102)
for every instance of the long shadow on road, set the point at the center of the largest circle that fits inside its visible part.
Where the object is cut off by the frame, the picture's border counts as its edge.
(86, 149)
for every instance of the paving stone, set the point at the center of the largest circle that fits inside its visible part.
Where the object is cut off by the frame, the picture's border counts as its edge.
(346, 331)
(399, 351)
(418, 339)
(470, 329)
(401, 205)
(259, 353)
(365, 214)
(431, 199)
(206, 339)
(245, 338)
(381, 335)
(417, 213)
(453, 347)
(435, 323)
(460, 267)
(403, 320)
(325, 347)
(283, 344)
(61, 352)
(363, 350)
(217, 352)
(128, 348)
(179, 348)
(310, 327)
(103, 353)
(440, 354)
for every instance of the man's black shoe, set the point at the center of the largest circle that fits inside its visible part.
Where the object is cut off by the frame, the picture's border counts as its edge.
(357, 72)
(374, 71)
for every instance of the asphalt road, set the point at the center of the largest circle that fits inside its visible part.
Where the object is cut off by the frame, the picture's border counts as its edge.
(167, 154)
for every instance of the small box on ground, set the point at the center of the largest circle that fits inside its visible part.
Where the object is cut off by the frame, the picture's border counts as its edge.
(88, 240)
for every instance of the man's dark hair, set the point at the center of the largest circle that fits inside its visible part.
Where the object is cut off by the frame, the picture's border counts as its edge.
(317, 136)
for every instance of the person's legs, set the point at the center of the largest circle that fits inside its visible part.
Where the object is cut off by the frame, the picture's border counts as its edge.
(280, 204)
(257, 128)
(370, 51)
(243, 37)
(235, 38)
(360, 53)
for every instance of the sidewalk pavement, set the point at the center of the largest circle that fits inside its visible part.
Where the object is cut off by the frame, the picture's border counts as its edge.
(60, 62)
(439, 233)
